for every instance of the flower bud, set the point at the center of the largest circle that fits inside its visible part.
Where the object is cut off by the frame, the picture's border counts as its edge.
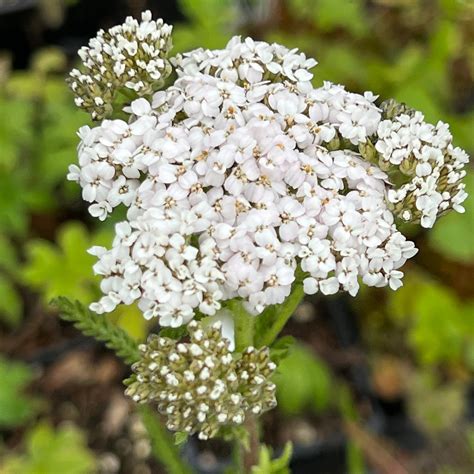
(200, 386)
(131, 56)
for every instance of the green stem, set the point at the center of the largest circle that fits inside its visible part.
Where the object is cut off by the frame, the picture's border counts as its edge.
(250, 453)
(271, 322)
(244, 325)
(162, 443)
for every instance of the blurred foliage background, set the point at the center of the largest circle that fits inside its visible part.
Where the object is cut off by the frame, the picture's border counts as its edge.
(390, 373)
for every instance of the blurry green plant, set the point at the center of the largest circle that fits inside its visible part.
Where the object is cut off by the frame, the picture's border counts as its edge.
(365, 49)
(302, 389)
(16, 407)
(49, 451)
(11, 305)
(38, 145)
(452, 235)
(207, 24)
(65, 268)
(440, 327)
(434, 406)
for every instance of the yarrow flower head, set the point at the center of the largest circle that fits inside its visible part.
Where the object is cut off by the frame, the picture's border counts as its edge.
(241, 176)
(130, 56)
(199, 385)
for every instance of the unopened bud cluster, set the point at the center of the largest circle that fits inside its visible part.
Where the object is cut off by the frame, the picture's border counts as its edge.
(132, 56)
(200, 386)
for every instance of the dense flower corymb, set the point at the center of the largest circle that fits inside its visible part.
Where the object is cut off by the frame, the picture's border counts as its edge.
(200, 386)
(241, 172)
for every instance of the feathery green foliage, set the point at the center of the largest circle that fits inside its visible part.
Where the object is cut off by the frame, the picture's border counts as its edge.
(99, 327)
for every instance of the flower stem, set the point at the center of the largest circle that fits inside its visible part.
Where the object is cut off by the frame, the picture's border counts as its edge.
(244, 326)
(271, 322)
(162, 443)
(250, 453)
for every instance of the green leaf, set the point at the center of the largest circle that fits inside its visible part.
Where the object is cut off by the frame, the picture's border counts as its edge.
(174, 333)
(64, 269)
(208, 24)
(180, 438)
(267, 465)
(281, 348)
(99, 327)
(452, 234)
(297, 389)
(347, 14)
(49, 451)
(16, 408)
(16, 134)
(11, 306)
(13, 211)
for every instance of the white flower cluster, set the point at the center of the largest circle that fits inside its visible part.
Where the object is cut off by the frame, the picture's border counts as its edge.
(241, 172)
(248, 62)
(431, 165)
(132, 55)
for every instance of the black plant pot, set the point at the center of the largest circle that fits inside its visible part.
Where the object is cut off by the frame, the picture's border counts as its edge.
(322, 457)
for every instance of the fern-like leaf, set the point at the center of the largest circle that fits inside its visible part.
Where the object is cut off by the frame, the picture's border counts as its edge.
(99, 327)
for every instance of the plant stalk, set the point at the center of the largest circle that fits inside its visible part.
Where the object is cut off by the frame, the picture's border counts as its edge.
(244, 326)
(251, 452)
(268, 329)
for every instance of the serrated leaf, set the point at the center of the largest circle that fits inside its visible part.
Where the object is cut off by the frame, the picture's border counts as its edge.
(180, 438)
(99, 327)
(279, 465)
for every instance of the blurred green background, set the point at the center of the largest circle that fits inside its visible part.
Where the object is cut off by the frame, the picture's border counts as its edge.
(391, 371)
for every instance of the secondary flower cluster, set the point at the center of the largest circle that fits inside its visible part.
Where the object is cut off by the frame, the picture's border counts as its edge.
(241, 172)
(200, 386)
(431, 167)
(131, 56)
